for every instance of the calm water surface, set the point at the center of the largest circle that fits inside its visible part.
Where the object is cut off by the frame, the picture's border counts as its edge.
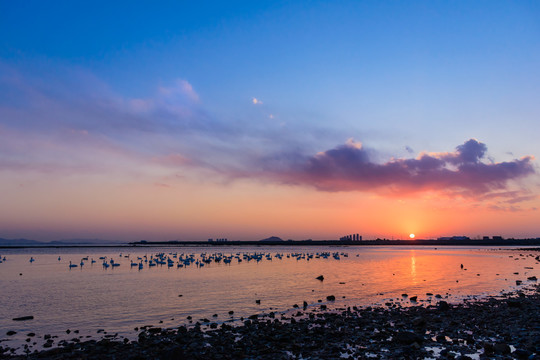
(118, 299)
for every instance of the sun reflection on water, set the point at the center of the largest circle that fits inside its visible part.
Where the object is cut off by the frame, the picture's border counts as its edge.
(413, 267)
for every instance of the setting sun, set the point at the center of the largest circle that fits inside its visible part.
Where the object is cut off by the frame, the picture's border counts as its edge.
(411, 236)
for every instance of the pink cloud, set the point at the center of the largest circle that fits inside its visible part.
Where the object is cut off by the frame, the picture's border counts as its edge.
(172, 160)
(349, 167)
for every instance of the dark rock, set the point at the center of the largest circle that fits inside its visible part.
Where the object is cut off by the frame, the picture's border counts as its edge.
(23, 318)
(174, 353)
(413, 298)
(518, 282)
(501, 348)
(257, 301)
(331, 298)
(443, 306)
(11, 332)
(419, 321)
(521, 354)
(154, 330)
(407, 337)
(320, 277)
(532, 278)
(440, 338)
(488, 349)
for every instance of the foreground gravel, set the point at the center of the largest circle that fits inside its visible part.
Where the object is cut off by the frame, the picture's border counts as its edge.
(506, 327)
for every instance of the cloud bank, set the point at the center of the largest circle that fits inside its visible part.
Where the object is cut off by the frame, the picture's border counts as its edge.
(349, 167)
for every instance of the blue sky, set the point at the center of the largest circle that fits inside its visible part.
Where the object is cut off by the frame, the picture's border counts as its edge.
(251, 89)
(368, 66)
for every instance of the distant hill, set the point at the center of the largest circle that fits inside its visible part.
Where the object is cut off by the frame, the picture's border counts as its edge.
(64, 242)
(19, 242)
(272, 239)
(84, 242)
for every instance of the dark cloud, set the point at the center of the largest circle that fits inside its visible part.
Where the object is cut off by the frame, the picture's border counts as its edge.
(470, 152)
(349, 167)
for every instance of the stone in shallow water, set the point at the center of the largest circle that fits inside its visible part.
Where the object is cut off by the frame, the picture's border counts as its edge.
(443, 305)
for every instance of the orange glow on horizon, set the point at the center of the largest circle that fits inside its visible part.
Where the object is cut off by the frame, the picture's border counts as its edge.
(190, 210)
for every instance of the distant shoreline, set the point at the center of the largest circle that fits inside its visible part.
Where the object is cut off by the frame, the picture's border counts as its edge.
(451, 242)
(508, 242)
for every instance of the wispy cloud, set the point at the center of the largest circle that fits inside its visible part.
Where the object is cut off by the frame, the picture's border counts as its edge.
(83, 125)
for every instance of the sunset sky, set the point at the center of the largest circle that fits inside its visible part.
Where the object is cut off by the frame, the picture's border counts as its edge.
(133, 120)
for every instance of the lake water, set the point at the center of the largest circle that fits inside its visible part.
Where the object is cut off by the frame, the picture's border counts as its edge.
(120, 298)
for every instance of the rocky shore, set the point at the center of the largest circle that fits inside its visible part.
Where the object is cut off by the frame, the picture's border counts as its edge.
(505, 327)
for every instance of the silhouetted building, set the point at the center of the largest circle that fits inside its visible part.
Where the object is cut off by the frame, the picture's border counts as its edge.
(353, 237)
(454, 238)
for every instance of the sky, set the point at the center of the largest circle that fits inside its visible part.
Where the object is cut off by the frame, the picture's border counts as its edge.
(192, 120)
